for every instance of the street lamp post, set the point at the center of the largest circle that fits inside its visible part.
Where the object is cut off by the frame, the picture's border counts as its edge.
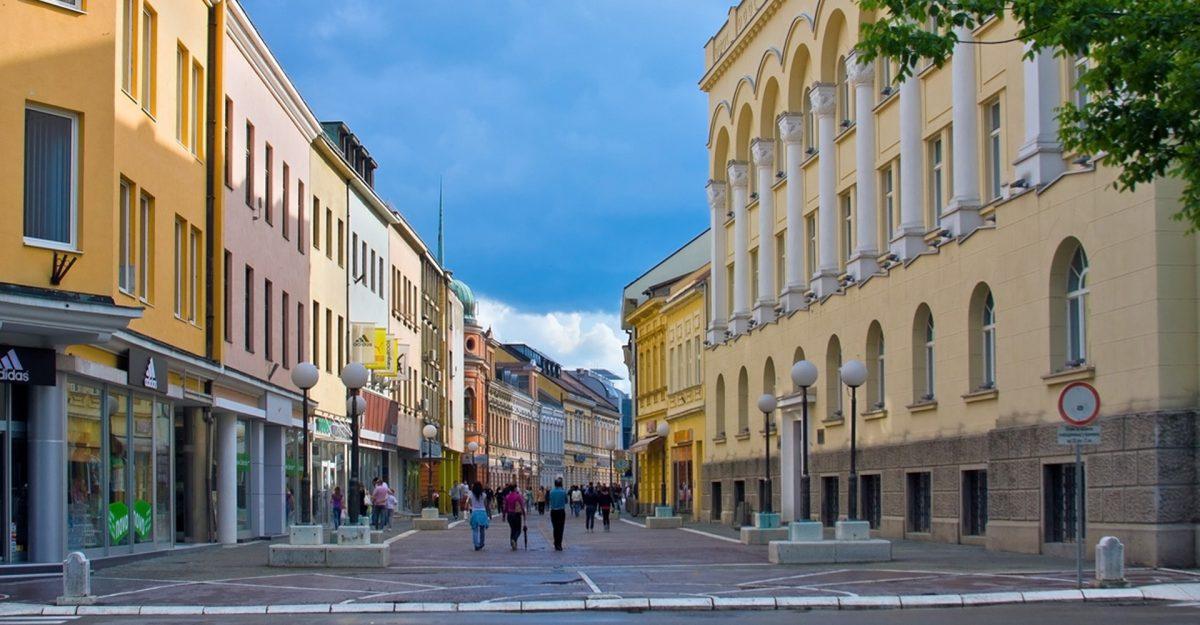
(473, 447)
(430, 433)
(767, 403)
(663, 429)
(804, 375)
(854, 373)
(354, 376)
(612, 444)
(305, 376)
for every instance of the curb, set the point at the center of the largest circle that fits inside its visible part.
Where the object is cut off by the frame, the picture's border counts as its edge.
(1159, 592)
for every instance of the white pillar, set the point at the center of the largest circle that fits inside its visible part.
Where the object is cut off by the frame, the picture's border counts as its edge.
(1039, 159)
(764, 159)
(961, 216)
(718, 293)
(863, 263)
(787, 466)
(226, 486)
(738, 179)
(791, 131)
(275, 482)
(46, 467)
(909, 239)
(824, 280)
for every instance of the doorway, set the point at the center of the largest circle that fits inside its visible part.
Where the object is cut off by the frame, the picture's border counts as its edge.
(14, 476)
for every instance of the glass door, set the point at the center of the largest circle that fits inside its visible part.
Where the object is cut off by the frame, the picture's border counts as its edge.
(5, 475)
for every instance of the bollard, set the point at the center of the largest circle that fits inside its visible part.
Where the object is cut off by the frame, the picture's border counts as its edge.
(1110, 562)
(77, 581)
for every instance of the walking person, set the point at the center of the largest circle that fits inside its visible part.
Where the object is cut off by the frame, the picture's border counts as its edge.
(335, 502)
(514, 507)
(556, 499)
(480, 519)
(576, 500)
(379, 497)
(455, 496)
(605, 501)
(590, 500)
(392, 504)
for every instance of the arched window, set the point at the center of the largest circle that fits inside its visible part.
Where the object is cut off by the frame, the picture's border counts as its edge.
(797, 356)
(876, 374)
(720, 407)
(845, 107)
(1077, 290)
(743, 400)
(924, 374)
(833, 378)
(982, 333)
(988, 340)
(469, 408)
(810, 126)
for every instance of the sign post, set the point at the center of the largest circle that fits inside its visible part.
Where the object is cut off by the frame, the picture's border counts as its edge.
(1079, 405)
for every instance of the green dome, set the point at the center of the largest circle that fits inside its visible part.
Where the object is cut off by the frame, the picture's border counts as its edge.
(465, 296)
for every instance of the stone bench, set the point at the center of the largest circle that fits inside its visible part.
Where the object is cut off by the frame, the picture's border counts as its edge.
(852, 543)
(766, 528)
(329, 556)
(664, 519)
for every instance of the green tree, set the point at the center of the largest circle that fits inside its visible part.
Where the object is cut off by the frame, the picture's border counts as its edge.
(1143, 72)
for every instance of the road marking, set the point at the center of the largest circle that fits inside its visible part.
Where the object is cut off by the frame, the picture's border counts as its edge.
(454, 524)
(400, 536)
(633, 523)
(709, 535)
(35, 620)
(787, 577)
(587, 580)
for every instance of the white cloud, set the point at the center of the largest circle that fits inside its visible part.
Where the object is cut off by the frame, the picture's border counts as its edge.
(587, 339)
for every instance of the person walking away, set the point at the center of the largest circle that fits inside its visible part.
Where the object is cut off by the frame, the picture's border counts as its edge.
(392, 504)
(605, 501)
(379, 498)
(556, 499)
(590, 499)
(543, 496)
(335, 502)
(455, 494)
(480, 519)
(514, 507)
(576, 500)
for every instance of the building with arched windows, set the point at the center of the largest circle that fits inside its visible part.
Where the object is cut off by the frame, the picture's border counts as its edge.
(935, 229)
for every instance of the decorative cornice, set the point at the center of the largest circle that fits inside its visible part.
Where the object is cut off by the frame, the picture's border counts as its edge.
(740, 40)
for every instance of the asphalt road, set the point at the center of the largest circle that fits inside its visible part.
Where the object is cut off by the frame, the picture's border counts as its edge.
(1045, 614)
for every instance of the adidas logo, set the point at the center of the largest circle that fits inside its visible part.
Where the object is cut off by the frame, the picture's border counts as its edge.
(11, 369)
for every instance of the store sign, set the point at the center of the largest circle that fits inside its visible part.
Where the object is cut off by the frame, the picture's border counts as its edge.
(147, 370)
(324, 426)
(26, 365)
(362, 342)
(580, 458)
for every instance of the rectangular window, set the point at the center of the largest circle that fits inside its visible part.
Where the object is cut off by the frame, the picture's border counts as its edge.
(920, 498)
(341, 343)
(316, 223)
(269, 184)
(871, 494)
(994, 165)
(51, 176)
(316, 334)
(129, 33)
(286, 204)
(780, 263)
(300, 216)
(847, 227)
(937, 199)
(248, 312)
(149, 43)
(248, 183)
(228, 143)
(329, 233)
(328, 340)
(299, 332)
(197, 109)
(181, 99)
(341, 241)
(810, 248)
(268, 320)
(180, 270)
(754, 275)
(125, 242)
(285, 330)
(145, 246)
(196, 273)
(1058, 489)
(1079, 93)
(379, 266)
(354, 271)
(975, 504)
(227, 308)
(887, 201)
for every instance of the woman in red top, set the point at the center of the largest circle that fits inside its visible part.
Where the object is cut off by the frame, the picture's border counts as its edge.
(514, 509)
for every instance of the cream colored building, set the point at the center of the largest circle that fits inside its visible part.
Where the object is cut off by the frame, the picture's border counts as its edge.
(935, 230)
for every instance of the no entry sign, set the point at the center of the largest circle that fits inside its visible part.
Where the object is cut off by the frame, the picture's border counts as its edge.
(1079, 404)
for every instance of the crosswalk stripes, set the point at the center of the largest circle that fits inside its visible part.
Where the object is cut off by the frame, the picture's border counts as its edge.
(36, 620)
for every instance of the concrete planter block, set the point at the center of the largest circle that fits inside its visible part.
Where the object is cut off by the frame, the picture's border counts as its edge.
(77, 581)
(801, 552)
(1110, 562)
(663, 523)
(852, 530)
(663, 512)
(805, 531)
(306, 534)
(431, 524)
(430, 513)
(354, 535)
(357, 556)
(761, 536)
(296, 556)
(870, 550)
(766, 520)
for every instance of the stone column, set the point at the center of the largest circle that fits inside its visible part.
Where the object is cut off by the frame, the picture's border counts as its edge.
(196, 452)
(738, 179)
(825, 280)
(47, 436)
(1039, 159)
(909, 240)
(864, 262)
(226, 486)
(787, 466)
(961, 216)
(791, 131)
(256, 499)
(764, 159)
(718, 295)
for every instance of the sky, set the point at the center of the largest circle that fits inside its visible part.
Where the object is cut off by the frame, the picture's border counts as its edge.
(569, 136)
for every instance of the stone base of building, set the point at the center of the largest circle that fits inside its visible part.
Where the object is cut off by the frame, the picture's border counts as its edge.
(727, 508)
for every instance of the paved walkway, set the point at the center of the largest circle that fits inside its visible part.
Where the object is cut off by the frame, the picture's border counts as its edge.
(628, 562)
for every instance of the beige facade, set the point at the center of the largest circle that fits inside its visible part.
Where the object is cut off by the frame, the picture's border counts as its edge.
(934, 230)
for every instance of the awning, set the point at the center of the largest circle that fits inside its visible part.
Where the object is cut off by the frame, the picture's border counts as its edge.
(641, 445)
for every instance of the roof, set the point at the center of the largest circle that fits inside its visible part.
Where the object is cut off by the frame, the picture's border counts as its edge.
(691, 256)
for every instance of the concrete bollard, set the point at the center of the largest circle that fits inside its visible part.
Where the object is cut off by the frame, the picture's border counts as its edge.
(77, 581)
(1110, 562)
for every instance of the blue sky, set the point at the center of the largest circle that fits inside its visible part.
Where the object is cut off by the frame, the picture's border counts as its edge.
(569, 133)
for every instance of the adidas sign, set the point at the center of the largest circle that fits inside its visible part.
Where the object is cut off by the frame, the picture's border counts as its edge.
(11, 369)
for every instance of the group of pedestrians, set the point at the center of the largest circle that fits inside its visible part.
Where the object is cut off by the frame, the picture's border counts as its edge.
(478, 502)
(592, 500)
(511, 503)
(380, 503)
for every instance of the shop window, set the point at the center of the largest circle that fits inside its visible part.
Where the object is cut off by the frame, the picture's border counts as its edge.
(86, 521)
(871, 494)
(920, 499)
(975, 502)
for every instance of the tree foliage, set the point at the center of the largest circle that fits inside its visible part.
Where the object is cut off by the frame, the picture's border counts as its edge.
(1143, 72)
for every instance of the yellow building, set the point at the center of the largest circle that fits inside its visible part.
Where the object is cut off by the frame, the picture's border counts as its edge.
(935, 230)
(684, 316)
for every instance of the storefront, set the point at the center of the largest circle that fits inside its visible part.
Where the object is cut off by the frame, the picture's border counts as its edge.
(331, 450)
(20, 368)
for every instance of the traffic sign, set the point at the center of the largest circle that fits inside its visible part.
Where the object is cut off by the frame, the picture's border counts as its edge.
(1079, 404)
(1072, 435)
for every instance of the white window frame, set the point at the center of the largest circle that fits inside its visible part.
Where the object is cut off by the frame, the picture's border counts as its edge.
(194, 266)
(995, 149)
(180, 233)
(887, 186)
(1077, 299)
(810, 248)
(145, 210)
(73, 244)
(197, 107)
(846, 203)
(70, 5)
(937, 178)
(930, 370)
(988, 351)
(125, 269)
(181, 96)
(881, 377)
(1079, 95)
(147, 76)
(129, 14)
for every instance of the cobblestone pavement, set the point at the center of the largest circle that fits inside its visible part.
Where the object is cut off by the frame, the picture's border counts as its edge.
(628, 562)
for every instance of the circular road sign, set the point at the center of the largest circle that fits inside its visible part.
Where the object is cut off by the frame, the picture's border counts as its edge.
(1079, 404)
